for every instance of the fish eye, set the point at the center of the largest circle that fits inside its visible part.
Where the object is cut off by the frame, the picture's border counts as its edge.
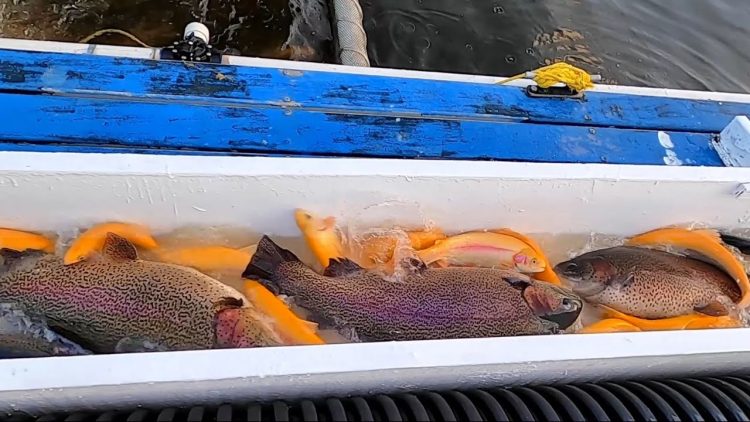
(571, 266)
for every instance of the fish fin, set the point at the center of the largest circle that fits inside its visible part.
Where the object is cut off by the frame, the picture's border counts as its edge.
(440, 263)
(715, 307)
(416, 265)
(519, 282)
(10, 258)
(267, 259)
(550, 327)
(313, 326)
(22, 329)
(738, 242)
(622, 281)
(138, 345)
(249, 249)
(228, 303)
(117, 247)
(342, 267)
(350, 333)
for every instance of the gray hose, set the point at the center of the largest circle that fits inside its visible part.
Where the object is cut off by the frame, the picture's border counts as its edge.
(351, 36)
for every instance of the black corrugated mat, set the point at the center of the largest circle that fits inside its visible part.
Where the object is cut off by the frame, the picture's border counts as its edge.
(709, 399)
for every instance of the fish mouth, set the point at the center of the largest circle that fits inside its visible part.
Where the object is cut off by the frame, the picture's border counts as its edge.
(553, 304)
(565, 319)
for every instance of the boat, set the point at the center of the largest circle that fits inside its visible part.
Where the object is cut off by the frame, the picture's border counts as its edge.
(106, 132)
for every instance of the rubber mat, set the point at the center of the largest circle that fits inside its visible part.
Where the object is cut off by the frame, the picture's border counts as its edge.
(704, 399)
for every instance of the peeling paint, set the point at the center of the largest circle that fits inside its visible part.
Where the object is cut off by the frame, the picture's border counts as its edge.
(665, 140)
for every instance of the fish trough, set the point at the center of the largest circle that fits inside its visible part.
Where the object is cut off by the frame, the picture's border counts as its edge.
(100, 133)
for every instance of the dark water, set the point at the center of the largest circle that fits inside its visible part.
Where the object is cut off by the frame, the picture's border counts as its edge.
(688, 44)
(297, 29)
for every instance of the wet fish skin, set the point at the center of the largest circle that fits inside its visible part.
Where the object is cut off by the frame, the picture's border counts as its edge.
(649, 283)
(102, 301)
(427, 304)
(23, 335)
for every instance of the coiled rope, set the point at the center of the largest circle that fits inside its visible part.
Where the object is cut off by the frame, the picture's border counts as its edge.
(548, 76)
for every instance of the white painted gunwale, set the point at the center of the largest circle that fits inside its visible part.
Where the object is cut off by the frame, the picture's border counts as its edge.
(152, 53)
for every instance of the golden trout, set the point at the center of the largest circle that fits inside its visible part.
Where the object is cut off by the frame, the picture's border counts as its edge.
(429, 303)
(484, 249)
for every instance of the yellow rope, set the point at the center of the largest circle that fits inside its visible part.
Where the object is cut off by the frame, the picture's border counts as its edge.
(547, 76)
(113, 31)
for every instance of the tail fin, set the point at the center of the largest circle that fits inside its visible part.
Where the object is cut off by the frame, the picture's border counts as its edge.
(742, 244)
(267, 259)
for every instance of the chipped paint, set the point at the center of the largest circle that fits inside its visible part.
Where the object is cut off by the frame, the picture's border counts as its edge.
(161, 106)
(665, 140)
(670, 157)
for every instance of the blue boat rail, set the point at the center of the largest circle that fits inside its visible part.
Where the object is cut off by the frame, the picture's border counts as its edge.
(62, 101)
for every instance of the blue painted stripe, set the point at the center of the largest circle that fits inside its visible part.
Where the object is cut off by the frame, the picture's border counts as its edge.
(86, 75)
(45, 119)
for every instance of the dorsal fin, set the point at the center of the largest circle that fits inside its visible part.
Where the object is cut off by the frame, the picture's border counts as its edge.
(341, 267)
(117, 247)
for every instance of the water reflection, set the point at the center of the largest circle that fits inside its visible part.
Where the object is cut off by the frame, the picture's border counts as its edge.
(689, 44)
(297, 29)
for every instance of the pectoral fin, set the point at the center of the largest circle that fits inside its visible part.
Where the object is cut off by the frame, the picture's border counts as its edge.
(138, 345)
(716, 307)
(609, 325)
(623, 281)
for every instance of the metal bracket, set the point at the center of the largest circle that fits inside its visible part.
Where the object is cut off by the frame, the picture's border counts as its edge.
(733, 144)
(562, 91)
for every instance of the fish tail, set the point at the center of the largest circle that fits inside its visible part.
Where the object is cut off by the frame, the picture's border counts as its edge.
(740, 243)
(267, 259)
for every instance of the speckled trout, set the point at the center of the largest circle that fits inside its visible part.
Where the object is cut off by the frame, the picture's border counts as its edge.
(119, 303)
(440, 303)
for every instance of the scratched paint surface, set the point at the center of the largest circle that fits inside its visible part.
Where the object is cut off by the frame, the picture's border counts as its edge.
(176, 125)
(94, 101)
(380, 95)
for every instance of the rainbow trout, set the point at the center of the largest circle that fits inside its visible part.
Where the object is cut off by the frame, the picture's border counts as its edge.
(430, 303)
(118, 303)
(649, 283)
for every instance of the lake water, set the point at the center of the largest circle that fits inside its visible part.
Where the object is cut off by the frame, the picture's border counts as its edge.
(689, 44)
(297, 29)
